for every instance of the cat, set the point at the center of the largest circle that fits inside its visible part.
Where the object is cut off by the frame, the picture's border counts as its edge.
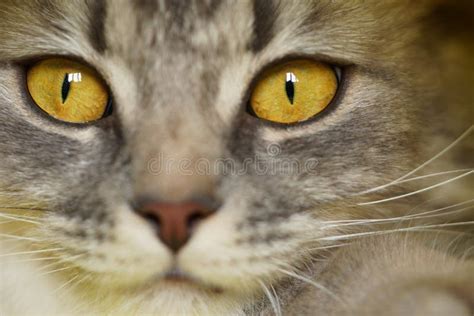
(379, 223)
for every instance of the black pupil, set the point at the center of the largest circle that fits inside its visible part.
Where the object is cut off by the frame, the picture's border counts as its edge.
(65, 88)
(290, 89)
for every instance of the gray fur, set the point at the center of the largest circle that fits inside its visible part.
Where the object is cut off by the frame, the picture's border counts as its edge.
(180, 76)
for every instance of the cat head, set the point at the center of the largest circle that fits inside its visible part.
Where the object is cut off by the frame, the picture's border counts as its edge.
(182, 135)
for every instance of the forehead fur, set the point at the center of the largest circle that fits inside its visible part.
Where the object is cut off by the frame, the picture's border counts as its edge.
(356, 27)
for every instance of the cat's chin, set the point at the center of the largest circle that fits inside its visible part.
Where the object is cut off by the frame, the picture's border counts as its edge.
(176, 277)
(173, 279)
(172, 293)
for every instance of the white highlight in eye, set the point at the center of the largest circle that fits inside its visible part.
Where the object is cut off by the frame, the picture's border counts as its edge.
(74, 77)
(291, 77)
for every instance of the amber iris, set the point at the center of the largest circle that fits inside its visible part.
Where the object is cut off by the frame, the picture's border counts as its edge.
(68, 90)
(294, 91)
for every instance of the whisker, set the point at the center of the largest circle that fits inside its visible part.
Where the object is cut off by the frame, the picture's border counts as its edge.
(463, 135)
(277, 299)
(18, 218)
(311, 282)
(37, 259)
(273, 300)
(29, 252)
(445, 231)
(445, 213)
(65, 284)
(431, 175)
(61, 261)
(329, 247)
(8, 236)
(388, 231)
(378, 219)
(20, 215)
(434, 175)
(87, 276)
(422, 215)
(56, 270)
(35, 209)
(418, 191)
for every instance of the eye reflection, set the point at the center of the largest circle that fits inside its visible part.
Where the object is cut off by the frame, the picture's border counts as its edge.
(68, 78)
(74, 77)
(290, 86)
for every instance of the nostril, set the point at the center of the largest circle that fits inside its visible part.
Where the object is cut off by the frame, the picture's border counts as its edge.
(152, 219)
(195, 217)
(174, 222)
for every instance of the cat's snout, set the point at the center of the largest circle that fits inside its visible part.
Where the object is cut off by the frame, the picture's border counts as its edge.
(175, 222)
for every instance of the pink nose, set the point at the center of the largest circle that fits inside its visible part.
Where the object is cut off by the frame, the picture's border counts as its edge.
(175, 221)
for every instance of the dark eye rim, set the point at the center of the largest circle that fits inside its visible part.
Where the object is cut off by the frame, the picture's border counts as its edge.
(31, 62)
(341, 69)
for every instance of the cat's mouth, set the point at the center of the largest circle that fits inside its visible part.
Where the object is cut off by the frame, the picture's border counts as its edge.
(176, 276)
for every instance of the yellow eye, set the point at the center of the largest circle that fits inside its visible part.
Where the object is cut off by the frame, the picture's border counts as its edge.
(294, 91)
(68, 91)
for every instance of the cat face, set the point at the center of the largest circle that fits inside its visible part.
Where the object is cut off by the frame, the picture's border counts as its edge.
(180, 77)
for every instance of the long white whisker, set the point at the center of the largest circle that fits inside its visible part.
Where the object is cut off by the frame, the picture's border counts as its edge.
(56, 270)
(376, 219)
(418, 191)
(87, 276)
(423, 164)
(434, 175)
(388, 231)
(329, 247)
(311, 282)
(426, 214)
(65, 284)
(421, 178)
(18, 218)
(29, 252)
(275, 295)
(19, 237)
(20, 215)
(37, 259)
(23, 208)
(273, 300)
(445, 213)
(61, 261)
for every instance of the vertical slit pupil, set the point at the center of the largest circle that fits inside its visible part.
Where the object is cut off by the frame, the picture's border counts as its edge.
(65, 87)
(290, 89)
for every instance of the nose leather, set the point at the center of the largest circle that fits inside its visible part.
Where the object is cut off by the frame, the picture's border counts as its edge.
(175, 221)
